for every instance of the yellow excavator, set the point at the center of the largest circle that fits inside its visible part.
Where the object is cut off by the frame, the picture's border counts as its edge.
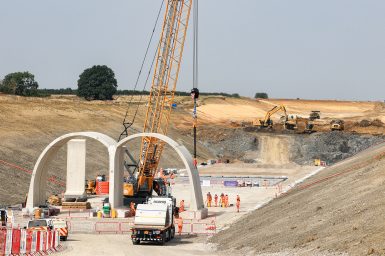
(267, 122)
(290, 122)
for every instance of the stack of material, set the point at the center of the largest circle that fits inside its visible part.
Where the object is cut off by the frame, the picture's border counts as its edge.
(76, 205)
(54, 200)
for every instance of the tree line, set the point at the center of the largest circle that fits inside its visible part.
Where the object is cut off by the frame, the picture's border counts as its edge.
(95, 83)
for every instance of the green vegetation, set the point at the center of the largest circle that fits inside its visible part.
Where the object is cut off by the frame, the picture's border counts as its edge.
(97, 83)
(261, 95)
(19, 83)
(69, 91)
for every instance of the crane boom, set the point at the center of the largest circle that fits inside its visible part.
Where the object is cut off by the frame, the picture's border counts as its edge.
(164, 81)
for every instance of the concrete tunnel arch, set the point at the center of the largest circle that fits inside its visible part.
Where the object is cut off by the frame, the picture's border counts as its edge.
(38, 185)
(196, 204)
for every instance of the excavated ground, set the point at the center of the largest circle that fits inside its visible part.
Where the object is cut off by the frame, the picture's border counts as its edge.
(343, 214)
(28, 125)
(339, 210)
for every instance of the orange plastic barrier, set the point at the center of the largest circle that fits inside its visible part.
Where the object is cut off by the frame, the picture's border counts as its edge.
(102, 187)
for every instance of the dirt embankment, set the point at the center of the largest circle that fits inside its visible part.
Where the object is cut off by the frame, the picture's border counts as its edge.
(28, 125)
(339, 210)
(361, 117)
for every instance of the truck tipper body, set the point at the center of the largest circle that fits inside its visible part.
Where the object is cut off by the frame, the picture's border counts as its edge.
(154, 221)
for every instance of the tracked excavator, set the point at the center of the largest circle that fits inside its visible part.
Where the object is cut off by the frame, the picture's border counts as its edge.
(289, 122)
(267, 122)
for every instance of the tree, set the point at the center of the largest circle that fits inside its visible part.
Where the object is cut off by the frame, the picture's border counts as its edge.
(261, 95)
(97, 83)
(19, 83)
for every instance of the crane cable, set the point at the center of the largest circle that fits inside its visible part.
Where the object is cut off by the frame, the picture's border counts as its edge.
(128, 124)
(195, 91)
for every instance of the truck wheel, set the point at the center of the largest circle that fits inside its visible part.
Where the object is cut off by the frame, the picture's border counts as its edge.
(136, 242)
(172, 233)
(168, 235)
(163, 239)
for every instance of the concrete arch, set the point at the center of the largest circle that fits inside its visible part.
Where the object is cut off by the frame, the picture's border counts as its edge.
(38, 185)
(196, 205)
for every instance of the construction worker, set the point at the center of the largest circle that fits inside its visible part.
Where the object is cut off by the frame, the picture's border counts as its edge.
(222, 202)
(226, 201)
(172, 177)
(132, 209)
(181, 206)
(238, 204)
(216, 200)
(180, 225)
(209, 199)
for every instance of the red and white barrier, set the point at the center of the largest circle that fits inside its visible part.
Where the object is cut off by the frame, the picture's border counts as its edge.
(22, 241)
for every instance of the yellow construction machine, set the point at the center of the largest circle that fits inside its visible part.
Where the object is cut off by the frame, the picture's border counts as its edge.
(289, 122)
(267, 122)
(337, 125)
(141, 181)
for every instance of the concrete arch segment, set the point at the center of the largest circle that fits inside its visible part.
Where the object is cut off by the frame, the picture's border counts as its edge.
(38, 185)
(196, 204)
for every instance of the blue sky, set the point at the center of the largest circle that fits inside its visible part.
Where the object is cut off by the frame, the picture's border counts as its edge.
(329, 49)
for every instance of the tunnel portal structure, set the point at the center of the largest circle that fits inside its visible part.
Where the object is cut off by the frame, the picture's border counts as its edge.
(76, 153)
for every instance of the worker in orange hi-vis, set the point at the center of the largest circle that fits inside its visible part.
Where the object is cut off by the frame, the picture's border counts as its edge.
(180, 225)
(216, 200)
(238, 204)
(181, 206)
(222, 201)
(209, 199)
(132, 209)
(226, 200)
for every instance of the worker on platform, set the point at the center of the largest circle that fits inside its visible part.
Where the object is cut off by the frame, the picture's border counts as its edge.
(216, 200)
(238, 204)
(209, 199)
(181, 206)
(132, 209)
(180, 225)
(226, 201)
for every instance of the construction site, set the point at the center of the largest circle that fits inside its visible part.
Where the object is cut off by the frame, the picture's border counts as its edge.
(202, 174)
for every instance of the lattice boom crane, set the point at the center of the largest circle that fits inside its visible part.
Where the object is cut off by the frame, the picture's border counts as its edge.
(164, 81)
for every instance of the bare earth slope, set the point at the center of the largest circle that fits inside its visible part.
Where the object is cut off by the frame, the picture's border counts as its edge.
(339, 210)
(28, 125)
(223, 110)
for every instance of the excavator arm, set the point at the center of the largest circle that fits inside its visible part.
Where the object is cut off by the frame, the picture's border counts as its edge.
(266, 122)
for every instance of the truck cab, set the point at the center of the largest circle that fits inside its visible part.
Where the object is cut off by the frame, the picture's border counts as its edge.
(154, 221)
(61, 225)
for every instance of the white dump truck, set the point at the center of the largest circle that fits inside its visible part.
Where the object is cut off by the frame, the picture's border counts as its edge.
(154, 221)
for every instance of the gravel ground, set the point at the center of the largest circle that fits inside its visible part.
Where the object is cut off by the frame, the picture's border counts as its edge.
(342, 214)
(330, 147)
(302, 149)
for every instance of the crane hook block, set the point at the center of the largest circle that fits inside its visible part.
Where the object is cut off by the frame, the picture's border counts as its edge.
(195, 93)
